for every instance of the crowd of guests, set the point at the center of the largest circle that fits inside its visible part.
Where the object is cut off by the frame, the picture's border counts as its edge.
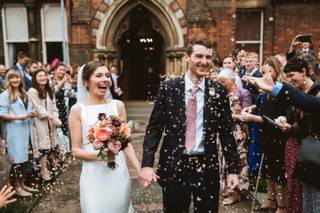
(34, 103)
(35, 100)
(268, 129)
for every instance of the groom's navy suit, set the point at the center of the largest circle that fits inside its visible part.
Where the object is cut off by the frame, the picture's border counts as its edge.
(169, 116)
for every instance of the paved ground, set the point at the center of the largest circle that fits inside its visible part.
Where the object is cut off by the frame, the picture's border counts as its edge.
(63, 196)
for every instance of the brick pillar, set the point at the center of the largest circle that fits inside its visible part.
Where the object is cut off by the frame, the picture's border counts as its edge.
(80, 39)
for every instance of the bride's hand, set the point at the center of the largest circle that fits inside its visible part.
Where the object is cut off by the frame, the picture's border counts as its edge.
(147, 176)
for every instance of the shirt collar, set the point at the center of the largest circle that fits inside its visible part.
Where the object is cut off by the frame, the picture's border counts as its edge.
(305, 50)
(190, 84)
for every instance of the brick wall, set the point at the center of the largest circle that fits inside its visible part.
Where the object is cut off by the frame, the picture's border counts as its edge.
(292, 19)
(219, 25)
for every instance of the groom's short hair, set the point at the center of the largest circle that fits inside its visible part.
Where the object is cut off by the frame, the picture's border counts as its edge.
(200, 41)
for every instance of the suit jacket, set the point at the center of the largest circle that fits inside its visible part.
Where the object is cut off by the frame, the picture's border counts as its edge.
(169, 116)
(299, 54)
(306, 102)
(113, 93)
(253, 89)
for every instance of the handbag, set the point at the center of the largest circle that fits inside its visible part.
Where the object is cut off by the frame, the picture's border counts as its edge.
(308, 161)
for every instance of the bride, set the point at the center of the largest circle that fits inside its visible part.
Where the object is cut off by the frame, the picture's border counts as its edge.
(101, 188)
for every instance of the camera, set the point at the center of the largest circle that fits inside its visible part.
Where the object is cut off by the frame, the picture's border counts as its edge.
(304, 38)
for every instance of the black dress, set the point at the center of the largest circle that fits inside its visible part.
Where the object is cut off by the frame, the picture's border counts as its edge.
(273, 140)
(62, 109)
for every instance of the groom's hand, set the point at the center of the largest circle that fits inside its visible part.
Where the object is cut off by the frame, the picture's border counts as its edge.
(147, 176)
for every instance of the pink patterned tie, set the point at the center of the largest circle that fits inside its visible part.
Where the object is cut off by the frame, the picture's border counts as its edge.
(191, 119)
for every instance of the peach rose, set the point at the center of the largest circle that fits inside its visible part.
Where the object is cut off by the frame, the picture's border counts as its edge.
(114, 147)
(124, 129)
(102, 135)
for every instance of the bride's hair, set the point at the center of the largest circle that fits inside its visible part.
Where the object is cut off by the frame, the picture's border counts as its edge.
(89, 69)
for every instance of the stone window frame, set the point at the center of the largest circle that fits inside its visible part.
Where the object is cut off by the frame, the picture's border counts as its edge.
(9, 61)
(260, 42)
(44, 40)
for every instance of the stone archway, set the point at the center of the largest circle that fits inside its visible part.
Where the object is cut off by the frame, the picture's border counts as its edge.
(107, 27)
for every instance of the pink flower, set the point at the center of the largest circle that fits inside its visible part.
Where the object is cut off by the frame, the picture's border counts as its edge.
(125, 129)
(114, 147)
(97, 145)
(102, 135)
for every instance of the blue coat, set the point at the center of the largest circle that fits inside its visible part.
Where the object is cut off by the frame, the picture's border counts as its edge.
(16, 133)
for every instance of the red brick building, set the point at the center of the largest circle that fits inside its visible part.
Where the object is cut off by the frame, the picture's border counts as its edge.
(146, 38)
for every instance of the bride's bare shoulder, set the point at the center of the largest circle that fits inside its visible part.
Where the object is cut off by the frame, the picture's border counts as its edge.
(75, 109)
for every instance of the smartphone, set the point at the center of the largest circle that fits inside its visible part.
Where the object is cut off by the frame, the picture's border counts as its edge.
(271, 121)
(304, 38)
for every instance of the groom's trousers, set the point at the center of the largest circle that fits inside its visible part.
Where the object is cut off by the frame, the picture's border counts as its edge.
(193, 181)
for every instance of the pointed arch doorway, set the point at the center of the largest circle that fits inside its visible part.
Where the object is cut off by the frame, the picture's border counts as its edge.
(145, 38)
(141, 55)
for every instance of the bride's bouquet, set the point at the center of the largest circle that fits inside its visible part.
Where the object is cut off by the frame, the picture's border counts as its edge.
(109, 135)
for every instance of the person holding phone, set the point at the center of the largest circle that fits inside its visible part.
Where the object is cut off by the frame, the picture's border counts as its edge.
(272, 139)
(303, 43)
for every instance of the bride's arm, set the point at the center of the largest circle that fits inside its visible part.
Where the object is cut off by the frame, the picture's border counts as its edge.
(76, 136)
(129, 150)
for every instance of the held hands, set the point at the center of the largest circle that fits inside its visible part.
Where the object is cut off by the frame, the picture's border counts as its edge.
(147, 176)
(5, 196)
(28, 115)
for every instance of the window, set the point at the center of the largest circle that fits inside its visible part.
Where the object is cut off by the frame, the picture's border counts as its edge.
(15, 29)
(52, 35)
(249, 30)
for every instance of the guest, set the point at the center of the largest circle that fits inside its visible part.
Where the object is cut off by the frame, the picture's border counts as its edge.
(229, 63)
(47, 68)
(32, 67)
(273, 141)
(16, 111)
(297, 71)
(300, 44)
(73, 91)
(59, 83)
(282, 58)
(251, 69)
(2, 77)
(21, 65)
(239, 99)
(46, 122)
(115, 88)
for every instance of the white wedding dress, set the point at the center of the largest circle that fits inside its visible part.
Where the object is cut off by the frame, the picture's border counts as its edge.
(103, 190)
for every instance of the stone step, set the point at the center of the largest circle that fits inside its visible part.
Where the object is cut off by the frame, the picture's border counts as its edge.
(137, 136)
(140, 105)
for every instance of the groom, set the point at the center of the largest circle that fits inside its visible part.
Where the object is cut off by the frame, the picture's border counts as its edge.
(192, 111)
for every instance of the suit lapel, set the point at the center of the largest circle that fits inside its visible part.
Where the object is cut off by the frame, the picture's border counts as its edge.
(180, 99)
(206, 108)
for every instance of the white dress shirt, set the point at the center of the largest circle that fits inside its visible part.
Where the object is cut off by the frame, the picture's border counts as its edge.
(115, 80)
(199, 148)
